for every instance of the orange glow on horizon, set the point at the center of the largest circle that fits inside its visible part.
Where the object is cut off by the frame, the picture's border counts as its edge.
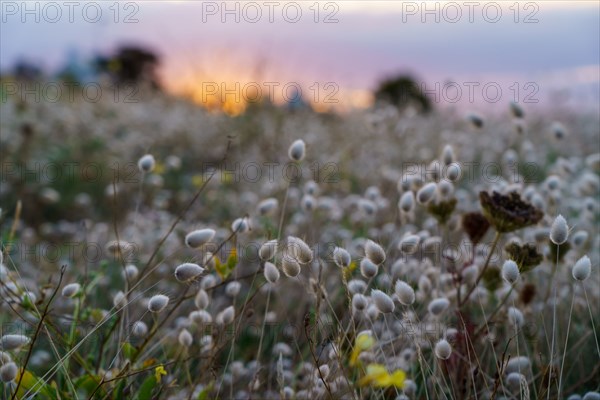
(233, 96)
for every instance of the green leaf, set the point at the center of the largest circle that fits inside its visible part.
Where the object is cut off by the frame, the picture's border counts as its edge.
(87, 383)
(203, 395)
(225, 269)
(120, 388)
(145, 392)
(232, 261)
(129, 351)
(30, 381)
(220, 268)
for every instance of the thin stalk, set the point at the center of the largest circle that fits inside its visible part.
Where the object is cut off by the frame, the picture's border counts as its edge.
(36, 334)
(591, 319)
(485, 266)
(553, 323)
(562, 364)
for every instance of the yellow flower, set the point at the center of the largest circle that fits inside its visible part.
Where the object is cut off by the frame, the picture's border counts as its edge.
(159, 168)
(364, 341)
(159, 372)
(348, 271)
(378, 376)
(197, 180)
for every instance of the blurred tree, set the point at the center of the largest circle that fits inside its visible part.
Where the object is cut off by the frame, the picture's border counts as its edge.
(130, 64)
(403, 91)
(24, 70)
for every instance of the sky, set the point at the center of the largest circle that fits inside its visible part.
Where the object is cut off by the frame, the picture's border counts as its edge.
(476, 52)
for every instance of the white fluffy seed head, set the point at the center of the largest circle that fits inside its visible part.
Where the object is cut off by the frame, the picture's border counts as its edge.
(271, 272)
(202, 300)
(513, 380)
(4, 358)
(357, 286)
(200, 317)
(8, 372)
(443, 350)
(139, 329)
(341, 257)
(299, 250)
(146, 163)
(424, 284)
(453, 172)
(311, 187)
(233, 288)
(405, 293)
(209, 281)
(131, 272)
(469, 274)
(188, 271)
(368, 268)
(119, 247)
(510, 271)
(199, 237)
(372, 312)
(407, 201)
(185, 338)
(383, 302)
(268, 206)
(559, 232)
(591, 396)
(323, 372)
(71, 290)
(445, 187)
(290, 266)
(119, 299)
(268, 250)
(157, 303)
(374, 252)
(297, 150)
(426, 193)
(582, 269)
(437, 306)
(515, 317)
(359, 302)
(308, 203)
(519, 363)
(448, 155)
(12, 342)
(226, 316)
(240, 225)
(409, 244)
(580, 238)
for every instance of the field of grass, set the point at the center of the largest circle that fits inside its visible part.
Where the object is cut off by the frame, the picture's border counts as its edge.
(154, 250)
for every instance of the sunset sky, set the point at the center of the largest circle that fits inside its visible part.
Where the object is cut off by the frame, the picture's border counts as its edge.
(538, 45)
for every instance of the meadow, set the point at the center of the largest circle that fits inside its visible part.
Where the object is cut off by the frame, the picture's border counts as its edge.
(155, 250)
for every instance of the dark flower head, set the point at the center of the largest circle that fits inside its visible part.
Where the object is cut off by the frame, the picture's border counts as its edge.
(492, 279)
(475, 225)
(526, 256)
(557, 250)
(508, 212)
(442, 210)
(527, 293)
